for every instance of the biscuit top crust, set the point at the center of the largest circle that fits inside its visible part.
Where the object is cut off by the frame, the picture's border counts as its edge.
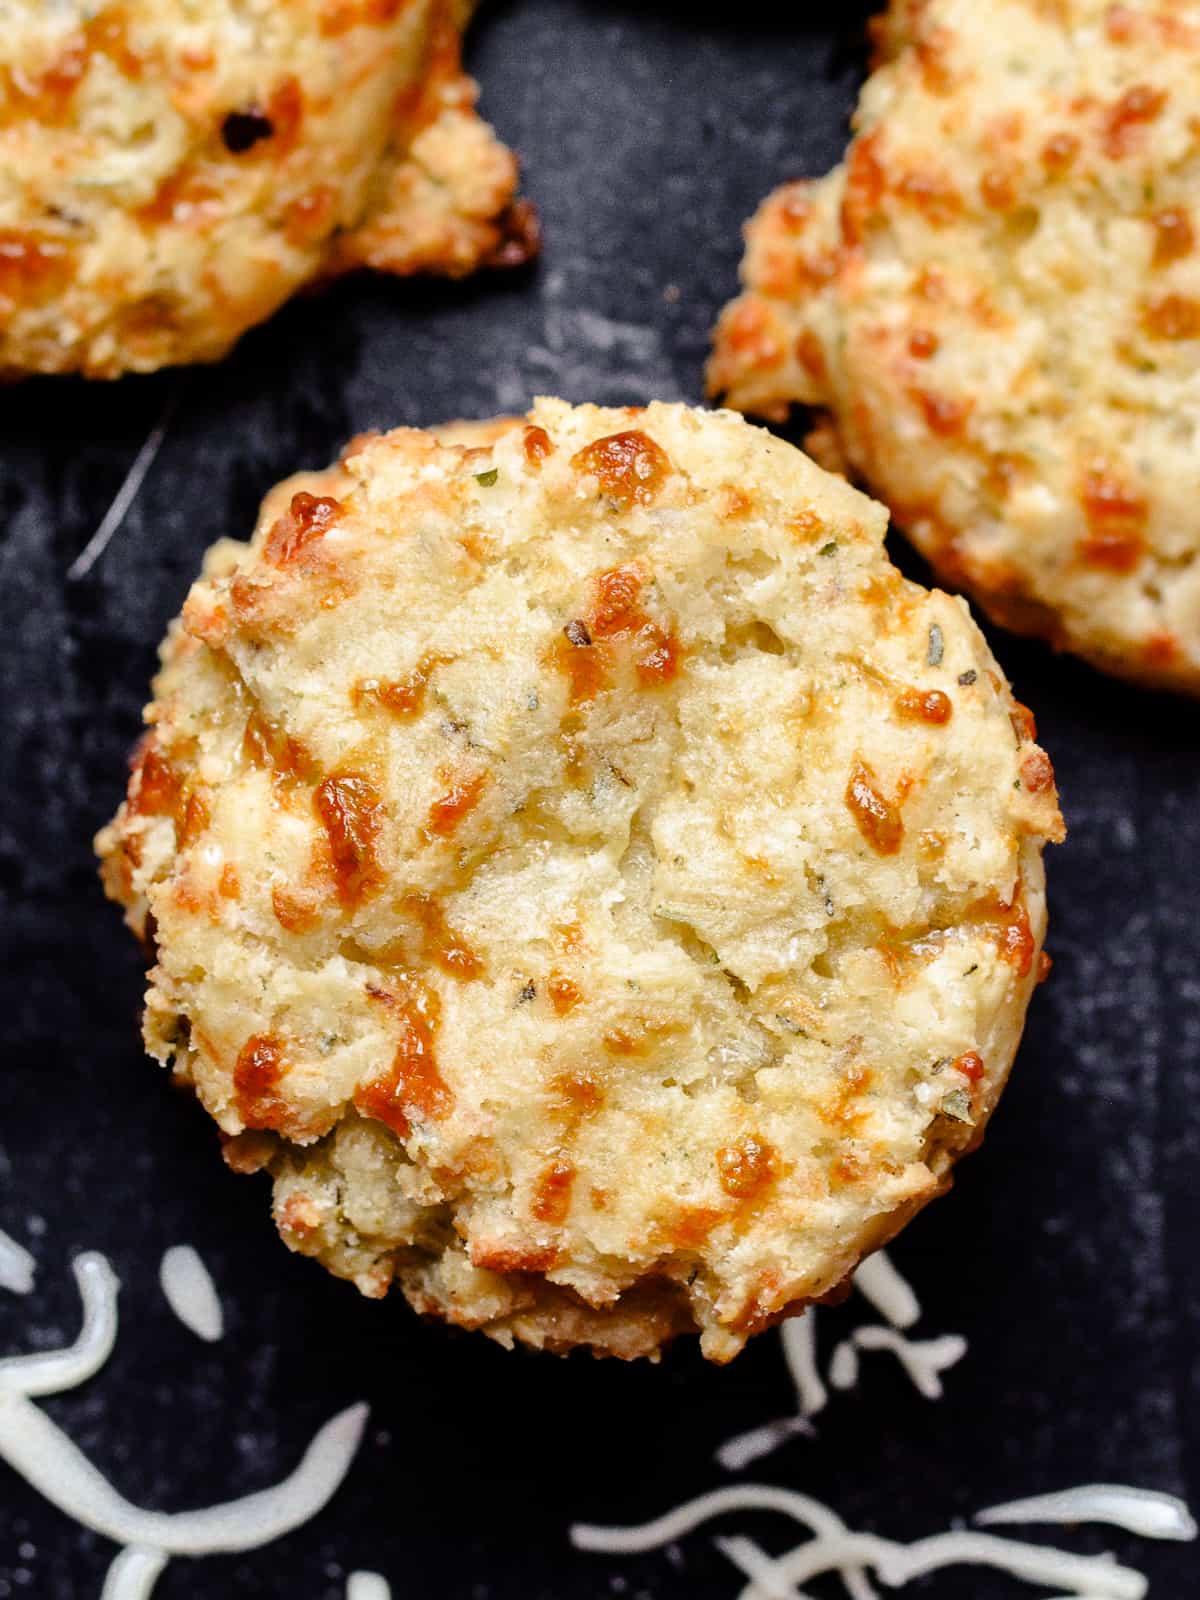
(997, 297)
(171, 172)
(594, 826)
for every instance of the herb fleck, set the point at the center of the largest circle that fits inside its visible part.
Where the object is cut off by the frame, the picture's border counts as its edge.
(526, 994)
(969, 676)
(828, 549)
(488, 478)
(577, 633)
(957, 1106)
(937, 646)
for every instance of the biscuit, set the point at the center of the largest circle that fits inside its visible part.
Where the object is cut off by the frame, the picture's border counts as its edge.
(598, 887)
(171, 173)
(996, 297)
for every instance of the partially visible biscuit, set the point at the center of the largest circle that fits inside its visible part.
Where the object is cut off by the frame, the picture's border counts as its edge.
(997, 298)
(171, 173)
(596, 885)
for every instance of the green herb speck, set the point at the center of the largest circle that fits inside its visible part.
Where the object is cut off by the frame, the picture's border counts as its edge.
(828, 549)
(937, 646)
(957, 1106)
(488, 478)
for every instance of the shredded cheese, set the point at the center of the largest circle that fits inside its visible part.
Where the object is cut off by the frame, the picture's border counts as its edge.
(802, 1508)
(190, 1292)
(922, 1359)
(51, 1463)
(766, 1579)
(684, 1519)
(877, 1279)
(800, 1352)
(843, 1368)
(1143, 1511)
(17, 1266)
(368, 1586)
(834, 1548)
(133, 1574)
(798, 1336)
(744, 1448)
(1092, 1577)
(55, 1370)
(46, 1458)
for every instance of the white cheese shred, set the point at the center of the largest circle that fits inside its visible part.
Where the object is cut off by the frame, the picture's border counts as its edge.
(799, 1340)
(843, 1367)
(48, 1460)
(764, 1575)
(133, 1574)
(922, 1359)
(368, 1586)
(259, 1518)
(190, 1292)
(52, 1371)
(126, 494)
(684, 1519)
(664, 1530)
(38, 1449)
(1141, 1511)
(17, 1266)
(877, 1279)
(799, 1336)
(834, 1548)
(1090, 1577)
(736, 1454)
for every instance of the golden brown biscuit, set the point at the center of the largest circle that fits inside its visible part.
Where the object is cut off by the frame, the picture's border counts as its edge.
(997, 298)
(597, 885)
(170, 173)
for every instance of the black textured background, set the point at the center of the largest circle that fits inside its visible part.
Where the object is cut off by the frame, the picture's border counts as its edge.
(1067, 1255)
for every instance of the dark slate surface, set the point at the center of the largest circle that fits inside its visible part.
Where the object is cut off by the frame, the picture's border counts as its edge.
(1067, 1254)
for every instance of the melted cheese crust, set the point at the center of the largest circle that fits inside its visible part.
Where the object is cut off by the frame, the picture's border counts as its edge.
(997, 298)
(170, 173)
(602, 890)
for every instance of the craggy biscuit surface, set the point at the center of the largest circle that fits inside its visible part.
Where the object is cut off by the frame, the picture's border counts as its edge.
(597, 885)
(171, 172)
(997, 298)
